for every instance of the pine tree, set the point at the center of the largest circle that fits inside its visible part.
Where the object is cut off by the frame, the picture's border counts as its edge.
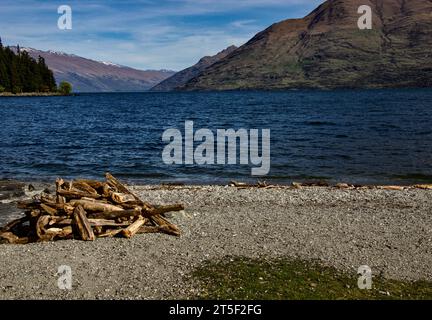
(21, 73)
(4, 78)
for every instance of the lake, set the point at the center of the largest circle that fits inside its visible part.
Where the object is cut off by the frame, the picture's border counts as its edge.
(356, 136)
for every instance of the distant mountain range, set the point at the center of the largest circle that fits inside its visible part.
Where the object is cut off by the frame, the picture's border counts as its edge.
(87, 75)
(179, 79)
(326, 49)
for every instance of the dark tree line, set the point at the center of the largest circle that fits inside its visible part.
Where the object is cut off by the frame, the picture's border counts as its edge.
(21, 73)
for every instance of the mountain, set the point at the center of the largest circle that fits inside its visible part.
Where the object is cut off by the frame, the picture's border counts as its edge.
(87, 75)
(182, 77)
(326, 49)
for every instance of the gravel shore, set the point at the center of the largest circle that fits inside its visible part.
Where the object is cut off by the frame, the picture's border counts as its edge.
(390, 231)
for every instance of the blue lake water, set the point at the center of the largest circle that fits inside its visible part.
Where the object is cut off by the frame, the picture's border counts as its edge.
(364, 136)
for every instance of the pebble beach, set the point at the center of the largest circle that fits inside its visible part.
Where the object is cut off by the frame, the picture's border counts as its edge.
(388, 230)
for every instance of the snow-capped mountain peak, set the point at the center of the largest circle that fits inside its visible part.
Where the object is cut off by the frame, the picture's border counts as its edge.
(107, 63)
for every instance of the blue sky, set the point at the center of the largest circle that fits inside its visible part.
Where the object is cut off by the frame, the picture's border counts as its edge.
(145, 34)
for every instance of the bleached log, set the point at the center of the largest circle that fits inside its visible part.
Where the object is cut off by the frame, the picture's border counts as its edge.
(158, 229)
(106, 223)
(149, 229)
(59, 184)
(122, 189)
(51, 211)
(117, 184)
(11, 238)
(393, 188)
(41, 224)
(76, 194)
(165, 209)
(115, 214)
(92, 183)
(134, 227)
(60, 200)
(160, 221)
(83, 186)
(66, 232)
(95, 206)
(110, 233)
(107, 190)
(92, 222)
(81, 222)
(122, 197)
(28, 204)
(424, 186)
(55, 231)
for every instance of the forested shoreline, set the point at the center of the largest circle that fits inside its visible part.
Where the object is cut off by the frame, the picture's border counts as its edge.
(20, 73)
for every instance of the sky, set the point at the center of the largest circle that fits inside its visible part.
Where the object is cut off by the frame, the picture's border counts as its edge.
(144, 34)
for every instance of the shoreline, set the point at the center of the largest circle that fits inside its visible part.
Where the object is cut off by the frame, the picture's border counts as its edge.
(34, 94)
(388, 230)
(248, 183)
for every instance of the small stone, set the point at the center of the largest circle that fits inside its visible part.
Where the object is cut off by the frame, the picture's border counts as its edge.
(342, 186)
(297, 185)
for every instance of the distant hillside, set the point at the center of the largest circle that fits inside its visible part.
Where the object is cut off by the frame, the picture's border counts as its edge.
(20, 73)
(326, 49)
(87, 75)
(182, 77)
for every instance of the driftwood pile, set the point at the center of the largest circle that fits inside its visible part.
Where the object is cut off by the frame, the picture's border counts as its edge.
(86, 210)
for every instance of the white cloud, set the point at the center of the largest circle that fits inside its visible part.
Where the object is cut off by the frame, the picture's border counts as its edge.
(152, 35)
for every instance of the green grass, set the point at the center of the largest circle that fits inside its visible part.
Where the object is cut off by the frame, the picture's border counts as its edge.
(245, 279)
